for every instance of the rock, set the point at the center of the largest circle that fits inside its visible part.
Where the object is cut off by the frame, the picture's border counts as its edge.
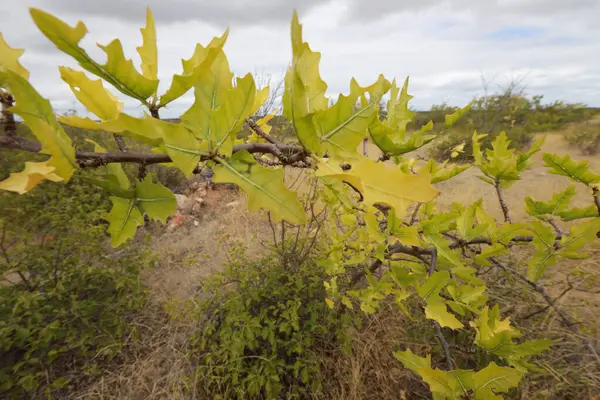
(184, 203)
(233, 204)
(195, 186)
(196, 223)
(196, 208)
(200, 192)
(200, 201)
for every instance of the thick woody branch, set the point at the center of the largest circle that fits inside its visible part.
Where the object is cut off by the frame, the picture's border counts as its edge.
(88, 159)
(7, 118)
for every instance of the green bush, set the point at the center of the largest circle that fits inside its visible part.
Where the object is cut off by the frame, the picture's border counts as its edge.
(518, 116)
(265, 325)
(586, 138)
(65, 301)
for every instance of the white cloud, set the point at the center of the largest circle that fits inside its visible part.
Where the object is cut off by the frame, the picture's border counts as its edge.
(445, 46)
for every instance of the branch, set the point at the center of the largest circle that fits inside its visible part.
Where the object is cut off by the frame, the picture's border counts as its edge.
(121, 143)
(596, 193)
(88, 159)
(565, 319)
(502, 202)
(254, 126)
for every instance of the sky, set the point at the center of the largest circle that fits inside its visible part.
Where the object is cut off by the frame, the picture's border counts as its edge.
(447, 48)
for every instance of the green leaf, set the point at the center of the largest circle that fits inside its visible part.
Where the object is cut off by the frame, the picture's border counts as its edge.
(412, 361)
(442, 246)
(39, 117)
(494, 379)
(433, 285)
(157, 201)
(304, 89)
(148, 51)
(124, 218)
(451, 119)
(437, 310)
(543, 240)
(578, 213)
(579, 235)
(559, 203)
(208, 70)
(492, 334)
(440, 173)
(117, 71)
(565, 166)
(343, 126)
(264, 187)
(115, 169)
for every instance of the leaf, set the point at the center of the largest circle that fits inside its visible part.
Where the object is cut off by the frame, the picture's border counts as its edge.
(33, 174)
(124, 218)
(433, 285)
(9, 60)
(465, 222)
(451, 119)
(577, 171)
(148, 51)
(202, 70)
(543, 240)
(438, 381)
(229, 118)
(412, 361)
(442, 246)
(559, 203)
(264, 187)
(440, 173)
(304, 89)
(436, 310)
(92, 94)
(578, 213)
(494, 379)
(492, 334)
(373, 179)
(39, 117)
(117, 71)
(579, 235)
(115, 169)
(523, 159)
(157, 201)
(343, 126)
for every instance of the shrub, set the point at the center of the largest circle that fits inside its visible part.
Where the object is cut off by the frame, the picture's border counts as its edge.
(585, 137)
(265, 326)
(66, 301)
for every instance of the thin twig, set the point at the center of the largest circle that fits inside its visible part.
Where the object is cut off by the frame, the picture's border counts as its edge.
(121, 143)
(565, 319)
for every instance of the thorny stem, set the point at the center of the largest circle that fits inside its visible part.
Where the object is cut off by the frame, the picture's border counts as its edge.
(502, 202)
(438, 329)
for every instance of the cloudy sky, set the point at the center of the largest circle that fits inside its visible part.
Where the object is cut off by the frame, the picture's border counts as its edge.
(446, 47)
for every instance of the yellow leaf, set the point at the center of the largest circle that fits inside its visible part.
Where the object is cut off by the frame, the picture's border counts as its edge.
(80, 122)
(31, 176)
(380, 184)
(261, 96)
(9, 59)
(147, 51)
(304, 89)
(228, 119)
(330, 303)
(118, 71)
(39, 117)
(201, 66)
(92, 94)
